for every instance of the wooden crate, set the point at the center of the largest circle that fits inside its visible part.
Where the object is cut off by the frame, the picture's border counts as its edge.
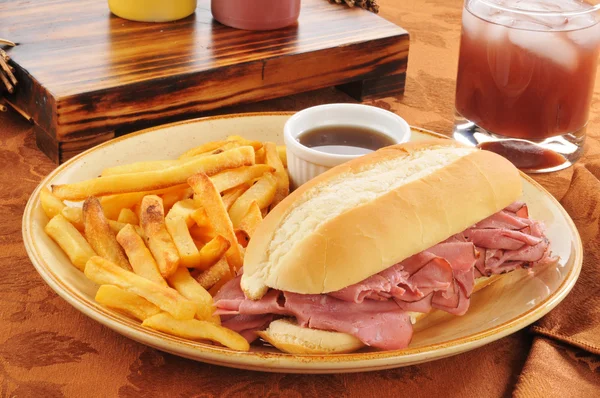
(86, 75)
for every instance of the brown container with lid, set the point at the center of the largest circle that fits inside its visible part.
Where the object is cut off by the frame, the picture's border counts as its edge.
(256, 14)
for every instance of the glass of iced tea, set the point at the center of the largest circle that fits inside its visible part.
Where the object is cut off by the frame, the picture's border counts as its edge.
(526, 77)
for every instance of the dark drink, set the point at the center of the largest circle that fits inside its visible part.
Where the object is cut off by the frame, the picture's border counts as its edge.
(526, 71)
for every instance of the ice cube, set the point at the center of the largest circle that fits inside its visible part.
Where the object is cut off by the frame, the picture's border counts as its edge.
(547, 5)
(550, 45)
(472, 25)
(548, 22)
(547, 12)
(587, 38)
(475, 16)
(497, 31)
(480, 9)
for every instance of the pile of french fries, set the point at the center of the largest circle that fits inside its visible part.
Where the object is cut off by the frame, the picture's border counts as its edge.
(162, 237)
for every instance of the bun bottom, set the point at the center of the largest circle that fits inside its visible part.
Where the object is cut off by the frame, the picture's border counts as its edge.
(285, 335)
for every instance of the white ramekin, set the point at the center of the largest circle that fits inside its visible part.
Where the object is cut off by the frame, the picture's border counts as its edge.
(305, 163)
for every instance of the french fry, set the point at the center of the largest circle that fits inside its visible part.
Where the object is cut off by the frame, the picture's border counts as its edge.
(127, 216)
(202, 234)
(156, 179)
(242, 237)
(204, 148)
(140, 258)
(211, 147)
(75, 217)
(260, 156)
(201, 218)
(203, 230)
(178, 229)
(262, 193)
(251, 219)
(99, 234)
(138, 167)
(238, 138)
(123, 301)
(197, 330)
(230, 196)
(281, 151)
(184, 209)
(116, 227)
(214, 274)
(51, 204)
(232, 178)
(210, 253)
(205, 194)
(248, 224)
(104, 272)
(210, 199)
(243, 141)
(112, 204)
(235, 138)
(283, 180)
(189, 288)
(70, 240)
(199, 244)
(227, 146)
(217, 286)
(159, 241)
(170, 198)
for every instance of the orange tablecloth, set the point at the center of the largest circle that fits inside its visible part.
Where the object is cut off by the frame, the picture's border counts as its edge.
(48, 349)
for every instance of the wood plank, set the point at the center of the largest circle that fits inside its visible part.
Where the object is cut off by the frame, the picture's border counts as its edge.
(84, 71)
(258, 80)
(59, 152)
(375, 87)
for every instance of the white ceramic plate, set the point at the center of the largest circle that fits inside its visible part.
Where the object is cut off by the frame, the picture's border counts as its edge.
(514, 302)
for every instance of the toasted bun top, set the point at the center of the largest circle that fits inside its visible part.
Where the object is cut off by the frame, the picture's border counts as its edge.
(363, 216)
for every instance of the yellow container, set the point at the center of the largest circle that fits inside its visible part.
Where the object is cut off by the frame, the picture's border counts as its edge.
(152, 10)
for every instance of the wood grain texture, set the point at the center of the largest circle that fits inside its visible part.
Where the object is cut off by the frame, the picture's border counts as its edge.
(86, 72)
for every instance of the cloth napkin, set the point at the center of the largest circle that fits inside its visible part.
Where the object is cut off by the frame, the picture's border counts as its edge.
(564, 359)
(48, 348)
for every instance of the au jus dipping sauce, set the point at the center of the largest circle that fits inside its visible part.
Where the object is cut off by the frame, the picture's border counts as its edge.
(344, 140)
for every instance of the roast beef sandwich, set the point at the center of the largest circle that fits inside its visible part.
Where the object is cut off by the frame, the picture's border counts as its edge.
(351, 258)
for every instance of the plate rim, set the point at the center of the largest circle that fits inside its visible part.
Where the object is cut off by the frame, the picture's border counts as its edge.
(270, 361)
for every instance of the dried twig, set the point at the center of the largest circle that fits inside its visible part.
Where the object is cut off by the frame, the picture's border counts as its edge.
(7, 84)
(370, 5)
(7, 76)
(7, 70)
(4, 42)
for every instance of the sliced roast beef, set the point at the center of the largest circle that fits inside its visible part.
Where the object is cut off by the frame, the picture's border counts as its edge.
(503, 249)
(461, 255)
(504, 219)
(380, 324)
(439, 278)
(375, 309)
(518, 208)
(499, 238)
(232, 301)
(375, 287)
(247, 325)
